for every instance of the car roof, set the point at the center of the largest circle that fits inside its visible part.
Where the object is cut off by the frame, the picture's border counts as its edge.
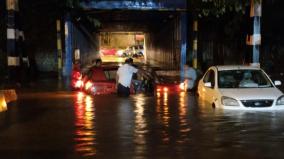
(236, 67)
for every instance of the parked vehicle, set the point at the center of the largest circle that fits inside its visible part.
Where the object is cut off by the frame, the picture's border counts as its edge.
(135, 51)
(104, 84)
(108, 51)
(165, 81)
(239, 87)
(96, 83)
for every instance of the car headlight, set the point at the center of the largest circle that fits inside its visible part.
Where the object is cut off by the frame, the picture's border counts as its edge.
(227, 101)
(88, 85)
(280, 100)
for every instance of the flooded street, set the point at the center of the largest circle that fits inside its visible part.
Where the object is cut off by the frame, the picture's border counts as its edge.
(66, 124)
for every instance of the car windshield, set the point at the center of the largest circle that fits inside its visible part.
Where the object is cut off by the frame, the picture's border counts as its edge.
(243, 79)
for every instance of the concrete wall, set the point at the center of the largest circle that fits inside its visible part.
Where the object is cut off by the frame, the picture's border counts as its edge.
(221, 40)
(2, 38)
(163, 44)
(46, 61)
(87, 42)
(43, 49)
(45, 55)
(117, 40)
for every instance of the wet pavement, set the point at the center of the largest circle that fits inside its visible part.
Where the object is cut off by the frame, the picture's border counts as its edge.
(53, 122)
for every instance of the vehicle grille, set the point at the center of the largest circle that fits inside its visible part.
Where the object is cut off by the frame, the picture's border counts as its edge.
(257, 103)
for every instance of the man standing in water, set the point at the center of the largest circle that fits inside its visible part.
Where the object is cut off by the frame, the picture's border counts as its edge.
(124, 76)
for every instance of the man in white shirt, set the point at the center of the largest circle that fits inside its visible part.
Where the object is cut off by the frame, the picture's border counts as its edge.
(124, 77)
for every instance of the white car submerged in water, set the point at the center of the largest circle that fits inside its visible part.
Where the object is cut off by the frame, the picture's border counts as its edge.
(239, 87)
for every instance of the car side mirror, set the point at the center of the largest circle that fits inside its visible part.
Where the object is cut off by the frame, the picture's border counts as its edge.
(208, 84)
(277, 83)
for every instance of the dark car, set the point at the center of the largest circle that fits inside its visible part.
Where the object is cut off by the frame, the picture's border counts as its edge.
(169, 82)
(160, 81)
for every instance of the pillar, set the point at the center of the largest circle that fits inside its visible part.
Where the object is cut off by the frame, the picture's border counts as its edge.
(183, 35)
(253, 39)
(195, 42)
(67, 59)
(59, 48)
(13, 59)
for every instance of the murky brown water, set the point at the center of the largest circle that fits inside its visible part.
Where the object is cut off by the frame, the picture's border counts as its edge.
(74, 125)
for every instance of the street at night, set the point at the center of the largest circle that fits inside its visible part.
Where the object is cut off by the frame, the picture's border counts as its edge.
(141, 79)
(57, 123)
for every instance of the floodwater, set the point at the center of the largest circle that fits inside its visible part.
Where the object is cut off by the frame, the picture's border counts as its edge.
(66, 124)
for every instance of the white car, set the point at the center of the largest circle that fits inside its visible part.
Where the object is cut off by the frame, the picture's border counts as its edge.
(239, 87)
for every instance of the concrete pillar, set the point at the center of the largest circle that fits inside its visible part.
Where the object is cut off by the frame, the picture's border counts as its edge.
(253, 39)
(67, 59)
(183, 36)
(13, 59)
(59, 48)
(195, 43)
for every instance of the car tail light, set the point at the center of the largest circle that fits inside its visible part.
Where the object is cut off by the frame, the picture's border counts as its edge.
(79, 84)
(158, 89)
(88, 85)
(165, 89)
(162, 89)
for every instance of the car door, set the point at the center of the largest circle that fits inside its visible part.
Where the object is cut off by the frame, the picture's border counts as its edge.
(207, 86)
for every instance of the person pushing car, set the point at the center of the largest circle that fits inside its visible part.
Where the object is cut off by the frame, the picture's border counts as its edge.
(124, 76)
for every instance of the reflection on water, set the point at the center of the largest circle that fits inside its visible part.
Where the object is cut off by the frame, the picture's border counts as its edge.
(163, 109)
(163, 115)
(161, 126)
(172, 126)
(183, 114)
(172, 113)
(159, 121)
(141, 127)
(140, 121)
(85, 124)
(245, 132)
